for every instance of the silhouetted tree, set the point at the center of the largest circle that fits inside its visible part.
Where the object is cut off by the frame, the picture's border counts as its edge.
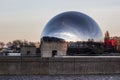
(2, 44)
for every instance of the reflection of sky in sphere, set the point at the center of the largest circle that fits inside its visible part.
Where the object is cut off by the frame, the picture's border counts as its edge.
(72, 26)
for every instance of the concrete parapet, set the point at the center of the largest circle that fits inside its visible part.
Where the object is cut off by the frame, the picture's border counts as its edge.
(59, 66)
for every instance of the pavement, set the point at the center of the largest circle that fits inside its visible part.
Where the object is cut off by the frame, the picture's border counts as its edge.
(62, 77)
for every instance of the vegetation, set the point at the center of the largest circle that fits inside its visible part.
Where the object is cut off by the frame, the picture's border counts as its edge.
(15, 45)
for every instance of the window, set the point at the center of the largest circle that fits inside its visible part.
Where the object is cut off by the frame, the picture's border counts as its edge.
(54, 52)
(28, 52)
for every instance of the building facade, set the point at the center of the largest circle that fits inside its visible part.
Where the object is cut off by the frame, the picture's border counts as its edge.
(51, 47)
(111, 44)
(28, 51)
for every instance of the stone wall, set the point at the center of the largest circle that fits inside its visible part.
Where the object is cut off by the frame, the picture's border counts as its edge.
(28, 50)
(58, 66)
(48, 47)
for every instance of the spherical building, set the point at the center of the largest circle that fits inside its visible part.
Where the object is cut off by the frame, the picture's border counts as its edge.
(72, 26)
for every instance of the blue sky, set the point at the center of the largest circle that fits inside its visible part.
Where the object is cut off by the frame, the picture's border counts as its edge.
(25, 19)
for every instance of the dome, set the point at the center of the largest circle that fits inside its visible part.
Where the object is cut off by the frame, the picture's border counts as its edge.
(72, 26)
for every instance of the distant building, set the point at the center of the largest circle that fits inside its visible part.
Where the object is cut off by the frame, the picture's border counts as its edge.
(13, 54)
(28, 50)
(51, 46)
(84, 47)
(112, 44)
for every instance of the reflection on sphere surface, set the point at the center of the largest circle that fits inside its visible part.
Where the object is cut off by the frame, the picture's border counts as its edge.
(72, 26)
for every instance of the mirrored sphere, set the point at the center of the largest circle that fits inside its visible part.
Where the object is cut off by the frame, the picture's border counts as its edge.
(72, 26)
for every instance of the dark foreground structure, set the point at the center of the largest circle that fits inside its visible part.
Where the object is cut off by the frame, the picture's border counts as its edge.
(59, 66)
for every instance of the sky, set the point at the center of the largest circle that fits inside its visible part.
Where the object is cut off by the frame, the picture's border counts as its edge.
(25, 19)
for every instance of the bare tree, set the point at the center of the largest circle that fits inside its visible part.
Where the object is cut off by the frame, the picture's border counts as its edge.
(2, 44)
